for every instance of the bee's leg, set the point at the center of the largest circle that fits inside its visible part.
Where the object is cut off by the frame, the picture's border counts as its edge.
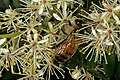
(78, 41)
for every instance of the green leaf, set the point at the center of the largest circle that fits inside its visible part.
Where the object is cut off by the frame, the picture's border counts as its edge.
(74, 60)
(7, 75)
(118, 71)
(6, 3)
(15, 3)
(11, 35)
(91, 63)
(110, 67)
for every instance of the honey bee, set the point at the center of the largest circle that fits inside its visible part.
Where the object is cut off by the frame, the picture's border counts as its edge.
(66, 49)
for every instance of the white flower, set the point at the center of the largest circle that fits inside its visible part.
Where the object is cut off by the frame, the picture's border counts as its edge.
(4, 50)
(42, 41)
(57, 17)
(64, 16)
(2, 41)
(76, 74)
(63, 3)
(40, 10)
(110, 9)
(80, 74)
(109, 43)
(94, 32)
(35, 0)
(51, 34)
(44, 5)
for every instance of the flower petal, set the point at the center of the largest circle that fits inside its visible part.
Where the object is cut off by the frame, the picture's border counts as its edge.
(57, 17)
(116, 18)
(40, 10)
(94, 32)
(43, 41)
(50, 7)
(58, 4)
(76, 75)
(116, 8)
(2, 41)
(4, 50)
(104, 15)
(35, 0)
(50, 26)
(109, 43)
(64, 9)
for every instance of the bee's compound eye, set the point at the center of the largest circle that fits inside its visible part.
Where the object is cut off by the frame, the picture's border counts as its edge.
(78, 22)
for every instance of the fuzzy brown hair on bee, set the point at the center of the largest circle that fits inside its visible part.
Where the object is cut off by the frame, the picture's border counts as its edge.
(66, 49)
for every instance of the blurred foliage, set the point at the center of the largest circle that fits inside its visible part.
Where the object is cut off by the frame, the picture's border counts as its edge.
(4, 4)
(112, 69)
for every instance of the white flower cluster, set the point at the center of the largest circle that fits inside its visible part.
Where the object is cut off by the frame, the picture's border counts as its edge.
(32, 31)
(103, 33)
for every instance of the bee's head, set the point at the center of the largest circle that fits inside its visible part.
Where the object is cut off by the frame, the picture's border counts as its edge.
(79, 21)
(76, 23)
